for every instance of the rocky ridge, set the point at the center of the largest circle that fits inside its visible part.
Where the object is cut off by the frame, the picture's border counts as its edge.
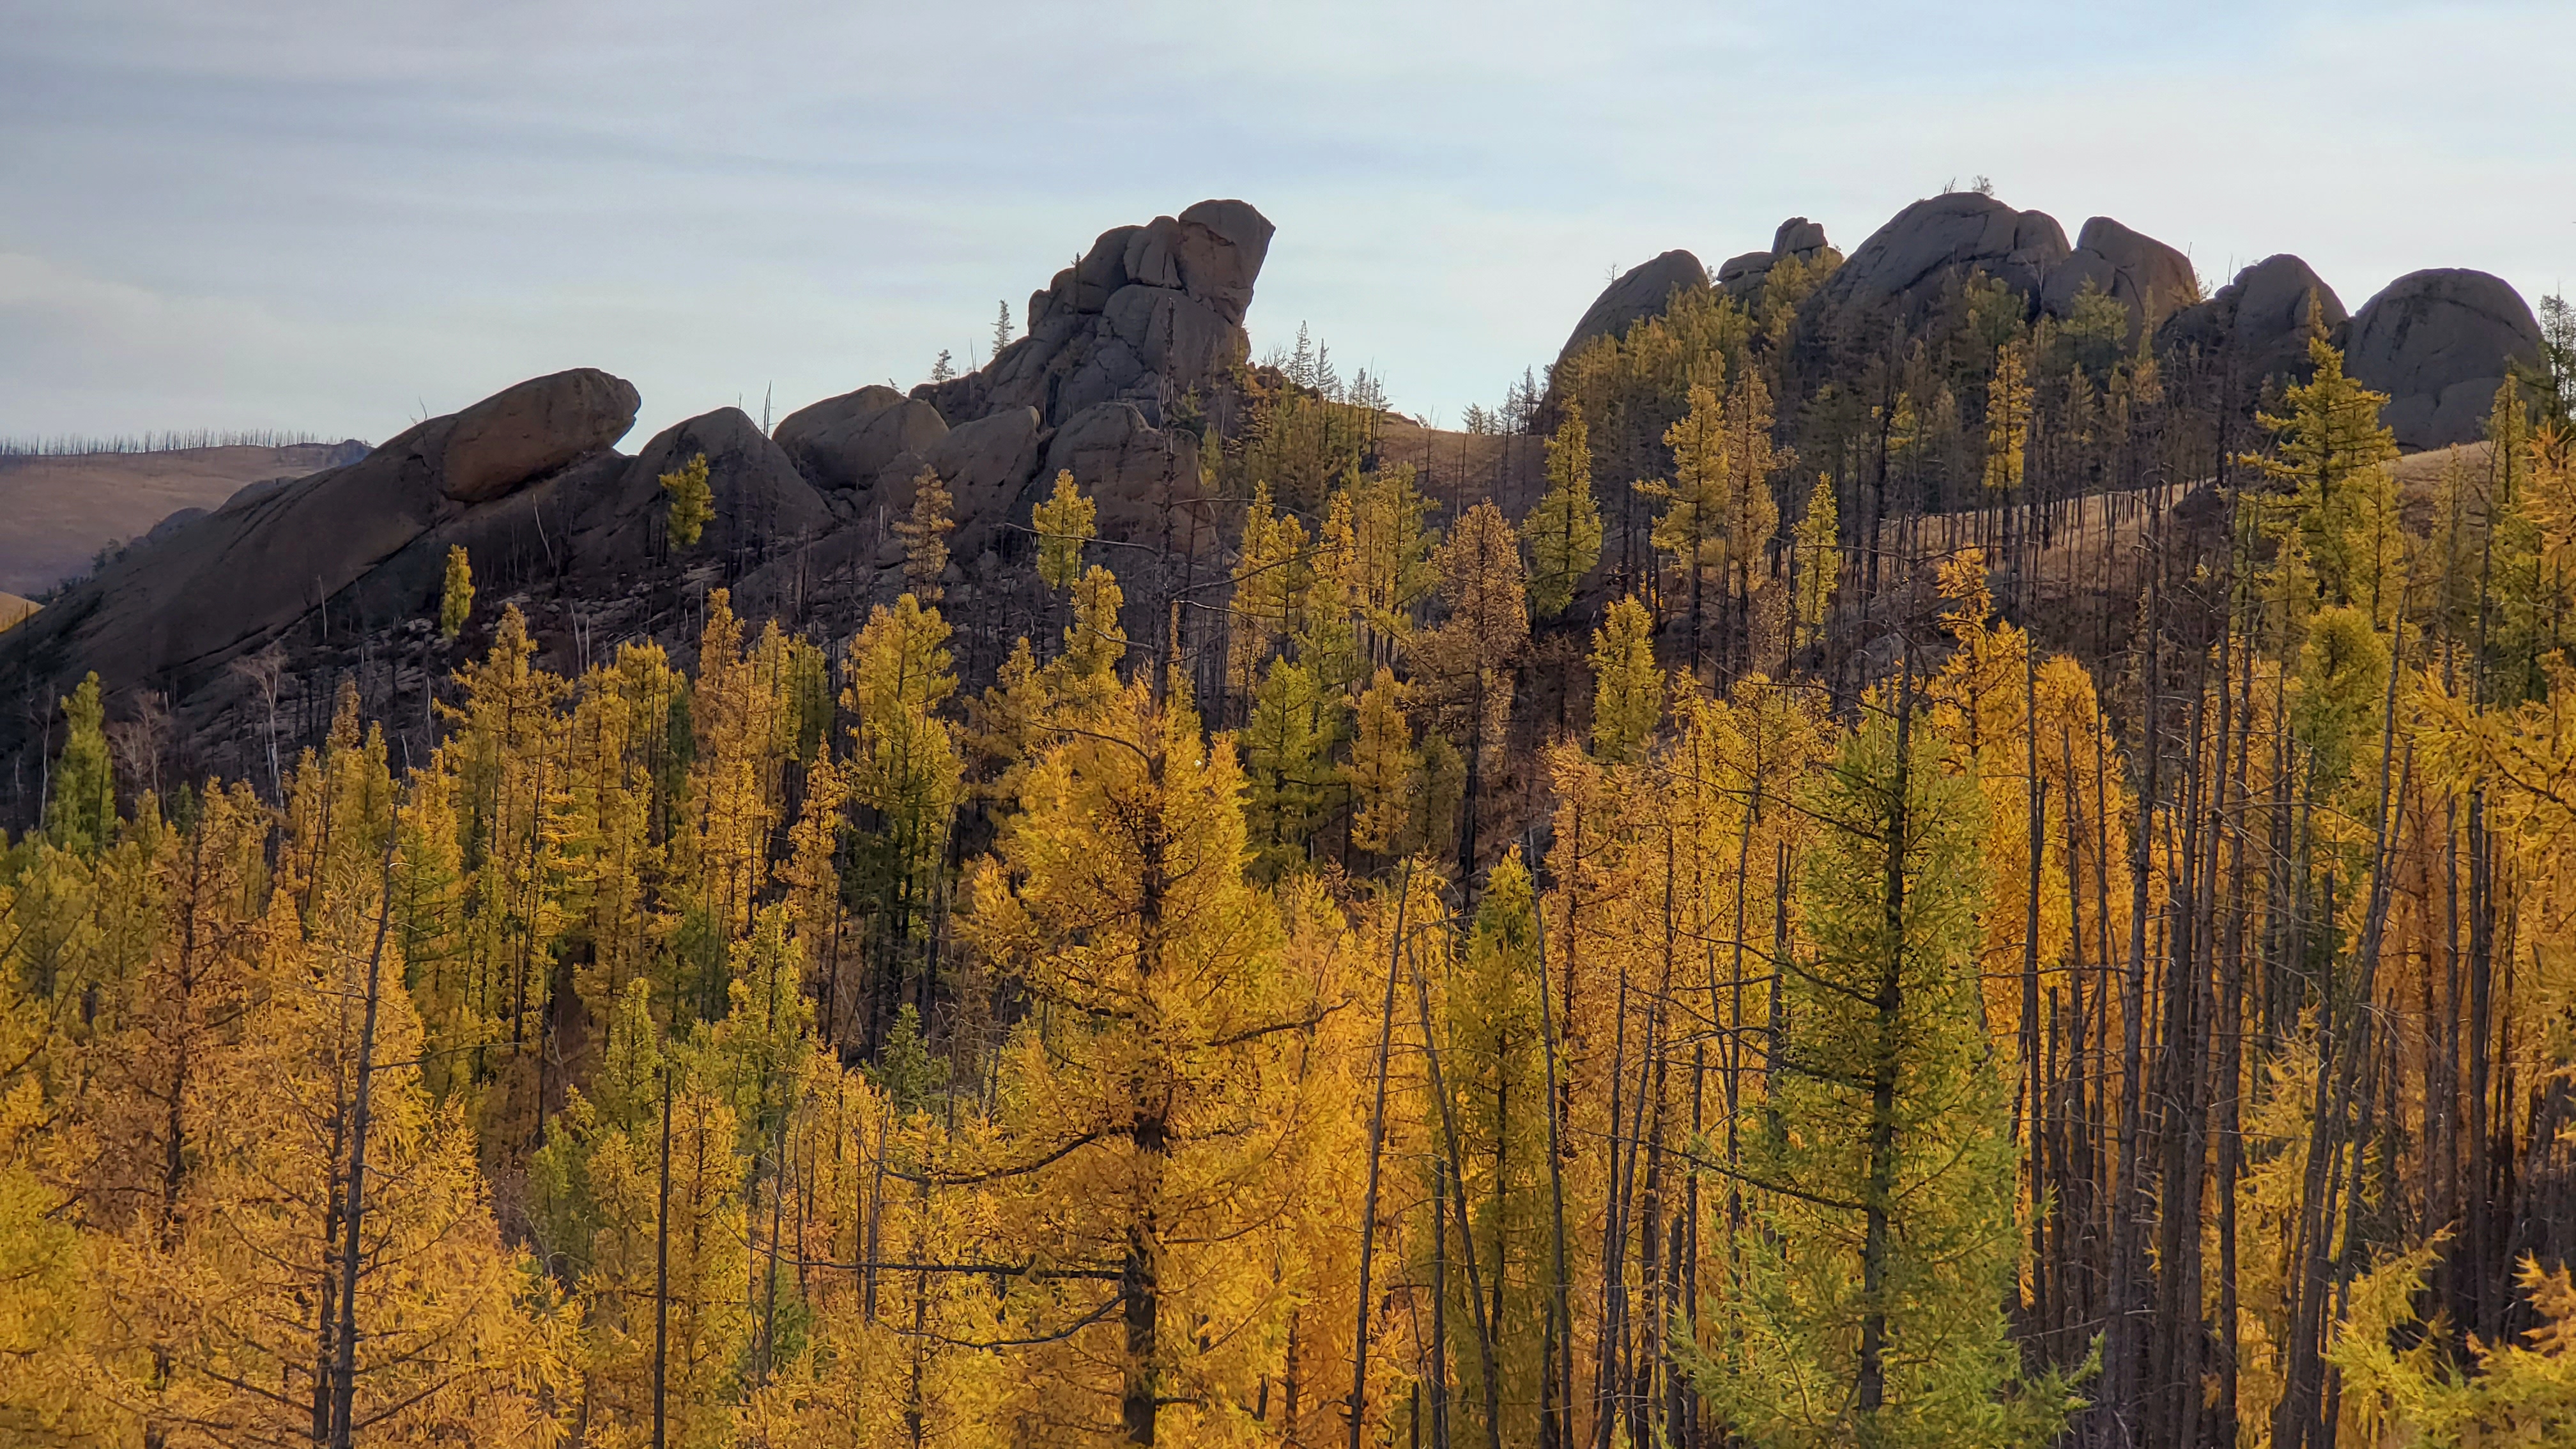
(1122, 349)
(2436, 341)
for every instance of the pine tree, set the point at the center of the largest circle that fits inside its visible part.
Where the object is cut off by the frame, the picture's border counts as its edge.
(1752, 514)
(905, 772)
(2330, 448)
(80, 813)
(1384, 772)
(924, 531)
(1373, 569)
(1816, 544)
(1093, 642)
(1293, 727)
(1876, 1314)
(456, 595)
(2008, 417)
(1466, 666)
(1627, 689)
(1274, 588)
(1564, 530)
(1492, 1046)
(692, 503)
(1165, 1068)
(1693, 526)
(1064, 522)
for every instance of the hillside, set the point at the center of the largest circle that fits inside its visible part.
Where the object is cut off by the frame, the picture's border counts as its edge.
(1939, 849)
(63, 510)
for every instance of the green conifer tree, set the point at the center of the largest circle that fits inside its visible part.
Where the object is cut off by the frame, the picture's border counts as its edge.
(1627, 689)
(1876, 1290)
(1563, 532)
(1815, 541)
(80, 809)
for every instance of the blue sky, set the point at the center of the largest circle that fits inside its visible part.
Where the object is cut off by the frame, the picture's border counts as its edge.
(335, 217)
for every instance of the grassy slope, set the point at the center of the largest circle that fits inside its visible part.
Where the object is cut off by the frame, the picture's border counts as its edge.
(61, 511)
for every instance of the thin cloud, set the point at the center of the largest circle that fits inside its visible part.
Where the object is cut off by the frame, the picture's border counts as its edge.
(328, 217)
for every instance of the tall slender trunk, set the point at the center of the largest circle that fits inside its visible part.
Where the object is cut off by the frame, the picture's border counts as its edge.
(662, 1278)
(1888, 1004)
(1556, 1373)
(1358, 1402)
(353, 1217)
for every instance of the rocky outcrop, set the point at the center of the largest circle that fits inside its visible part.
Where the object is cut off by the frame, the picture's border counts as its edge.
(1800, 238)
(2438, 342)
(760, 498)
(2256, 327)
(845, 442)
(1904, 264)
(1642, 291)
(525, 431)
(1741, 277)
(1151, 313)
(1139, 475)
(986, 463)
(2148, 277)
(174, 612)
(171, 522)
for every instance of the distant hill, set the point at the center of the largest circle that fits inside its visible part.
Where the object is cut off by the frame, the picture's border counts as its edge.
(62, 509)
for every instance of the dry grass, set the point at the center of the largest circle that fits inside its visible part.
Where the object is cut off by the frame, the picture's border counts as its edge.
(14, 610)
(1460, 468)
(59, 512)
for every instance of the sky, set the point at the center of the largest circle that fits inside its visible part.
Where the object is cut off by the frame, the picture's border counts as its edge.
(337, 219)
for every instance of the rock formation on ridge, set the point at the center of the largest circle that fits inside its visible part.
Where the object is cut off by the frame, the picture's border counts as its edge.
(1742, 276)
(1643, 290)
(2256, 326)
(175, 611)
(2438, 342)
(2150, 278)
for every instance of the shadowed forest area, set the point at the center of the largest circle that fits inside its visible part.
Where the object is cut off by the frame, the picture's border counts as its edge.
(1949, 879)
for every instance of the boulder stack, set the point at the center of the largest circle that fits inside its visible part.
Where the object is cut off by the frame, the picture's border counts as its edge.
(2148, 277)
(1904, 264)
(1150, 315)
(759, 497)
(1742, 277)
(846, 442)
(174, 611)
(2257, 325)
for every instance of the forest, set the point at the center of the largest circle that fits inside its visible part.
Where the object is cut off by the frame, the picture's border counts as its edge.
(1974, 888)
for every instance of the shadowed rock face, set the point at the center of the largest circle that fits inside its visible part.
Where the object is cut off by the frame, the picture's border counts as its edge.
(1157, 472)
(2148, 277)
(759, 497)
(525, 431)
(173, 612)
(2256, 326)
(1905, 263)
(2438, 343)
(845, 442)
(1644, 290)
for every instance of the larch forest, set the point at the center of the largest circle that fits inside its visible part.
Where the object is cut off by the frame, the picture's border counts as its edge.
(1978, 896)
